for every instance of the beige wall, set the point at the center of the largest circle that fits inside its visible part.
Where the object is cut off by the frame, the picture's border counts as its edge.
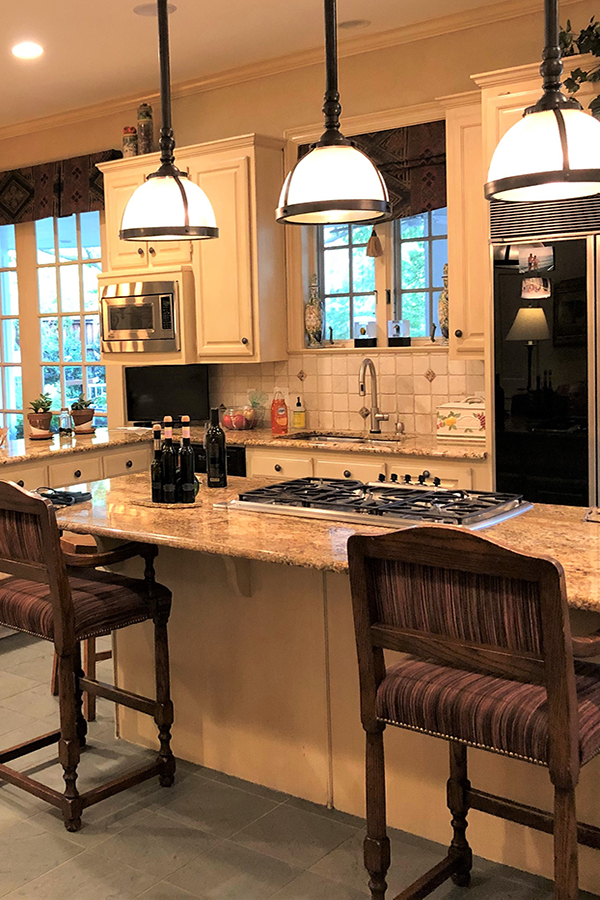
(399, 76)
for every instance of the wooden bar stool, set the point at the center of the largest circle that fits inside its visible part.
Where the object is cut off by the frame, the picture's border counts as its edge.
(67, 606)
(490, 666)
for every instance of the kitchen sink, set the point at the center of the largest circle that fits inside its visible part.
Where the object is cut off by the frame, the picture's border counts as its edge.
(316, 438)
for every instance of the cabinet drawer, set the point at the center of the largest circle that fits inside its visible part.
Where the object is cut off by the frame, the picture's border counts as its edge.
(77, 469)
(349, 468)
(126, 461)
(281, 466)
(451, 477)
(29, 477)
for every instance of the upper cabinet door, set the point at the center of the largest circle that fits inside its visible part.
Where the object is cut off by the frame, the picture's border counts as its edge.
(223, 267)
(127, 256)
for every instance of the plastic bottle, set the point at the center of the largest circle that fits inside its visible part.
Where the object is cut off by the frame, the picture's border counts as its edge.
(299, 415)
(279, 414)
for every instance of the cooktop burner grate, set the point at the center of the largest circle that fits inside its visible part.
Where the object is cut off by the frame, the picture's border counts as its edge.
(348, 500)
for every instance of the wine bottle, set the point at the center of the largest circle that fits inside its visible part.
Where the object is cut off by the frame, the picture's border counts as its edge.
(156, 468)
(216, 457)
(186, 463)
(168, 462)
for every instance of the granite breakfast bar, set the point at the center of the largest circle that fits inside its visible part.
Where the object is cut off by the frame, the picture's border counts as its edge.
(264, 673)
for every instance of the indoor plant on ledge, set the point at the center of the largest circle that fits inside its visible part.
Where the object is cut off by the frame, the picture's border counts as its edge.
(82, 413)
(40, 417)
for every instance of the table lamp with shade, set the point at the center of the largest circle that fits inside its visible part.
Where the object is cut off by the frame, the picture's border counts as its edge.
(530, 325)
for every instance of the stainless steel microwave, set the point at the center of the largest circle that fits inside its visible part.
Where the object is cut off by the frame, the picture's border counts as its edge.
(139, 316)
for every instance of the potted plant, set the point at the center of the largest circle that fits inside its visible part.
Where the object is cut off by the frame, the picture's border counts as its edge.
(82, 413)
(40, 417)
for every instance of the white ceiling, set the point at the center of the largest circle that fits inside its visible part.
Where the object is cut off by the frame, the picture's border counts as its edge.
(102, 50)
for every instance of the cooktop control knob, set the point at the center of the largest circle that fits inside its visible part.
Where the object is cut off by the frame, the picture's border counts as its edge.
(407, 479)
(422, 478)
(394, 477)
(437, 481)
(381, 476)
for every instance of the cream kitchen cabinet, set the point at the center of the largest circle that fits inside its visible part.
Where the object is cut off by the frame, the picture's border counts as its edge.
(239, 277)
(348, 466)
(29, 476)
(121, 178)
(78, 468)
(278, 465)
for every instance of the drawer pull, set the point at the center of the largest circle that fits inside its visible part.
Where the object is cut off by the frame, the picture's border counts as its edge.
(347, 473)
(21, 483)
(141, 251)
(128, 464)
(277, 467)
(244, 341)
(151, 251)
(458, 333)
(77, 473)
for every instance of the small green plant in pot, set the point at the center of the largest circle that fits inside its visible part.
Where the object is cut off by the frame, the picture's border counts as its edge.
(40, 417)
(82, 413)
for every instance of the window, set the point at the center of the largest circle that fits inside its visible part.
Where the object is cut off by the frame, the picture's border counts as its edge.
(11, 390)
(347, 276)
(68, 262)
(421, 251)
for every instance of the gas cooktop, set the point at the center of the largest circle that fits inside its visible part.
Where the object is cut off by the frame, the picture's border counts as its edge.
(382, 503)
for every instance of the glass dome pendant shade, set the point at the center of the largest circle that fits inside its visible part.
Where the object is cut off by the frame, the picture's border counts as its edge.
(167, 206)
(553, 152)
(334, 182)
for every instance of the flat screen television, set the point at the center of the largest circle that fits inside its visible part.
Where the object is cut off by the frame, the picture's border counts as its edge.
(153, 392)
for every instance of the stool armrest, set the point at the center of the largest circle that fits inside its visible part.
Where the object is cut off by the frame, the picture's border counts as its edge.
(109, 557)
(586, 646)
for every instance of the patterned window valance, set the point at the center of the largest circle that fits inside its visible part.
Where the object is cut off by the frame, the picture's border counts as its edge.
(53, 189)
(412, 161)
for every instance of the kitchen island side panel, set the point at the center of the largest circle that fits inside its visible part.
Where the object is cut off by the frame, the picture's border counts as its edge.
(248, 673)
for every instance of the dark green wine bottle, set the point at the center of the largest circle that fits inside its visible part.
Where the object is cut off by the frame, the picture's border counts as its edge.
(169, 462)
(186, 462)
(156, 468)
(216, 458)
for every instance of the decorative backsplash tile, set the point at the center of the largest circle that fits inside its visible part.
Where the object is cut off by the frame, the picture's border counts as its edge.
(411, 386)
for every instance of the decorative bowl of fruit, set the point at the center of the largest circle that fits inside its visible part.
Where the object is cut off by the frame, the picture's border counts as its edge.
(240, 418)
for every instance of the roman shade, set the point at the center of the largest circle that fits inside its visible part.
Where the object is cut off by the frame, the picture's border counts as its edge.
(58, 188)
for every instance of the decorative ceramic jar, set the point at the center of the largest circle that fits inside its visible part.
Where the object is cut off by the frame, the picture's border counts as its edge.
(313, 315)
(443, 306)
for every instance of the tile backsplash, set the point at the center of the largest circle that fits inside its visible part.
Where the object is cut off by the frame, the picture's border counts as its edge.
(411, 386)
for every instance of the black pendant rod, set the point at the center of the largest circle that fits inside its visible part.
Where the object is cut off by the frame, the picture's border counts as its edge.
(551, 68)
(167, 141)
(332, 107)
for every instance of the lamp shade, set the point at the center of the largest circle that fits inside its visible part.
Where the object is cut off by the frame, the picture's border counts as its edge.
(333, 183)
(550, 154)
(530, 325)
(165, 208)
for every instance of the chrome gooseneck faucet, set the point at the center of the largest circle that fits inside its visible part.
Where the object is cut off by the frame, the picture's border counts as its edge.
(376, 415)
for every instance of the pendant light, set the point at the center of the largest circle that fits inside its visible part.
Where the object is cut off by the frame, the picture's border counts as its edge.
(167, 206)
(553, 152)
(335, 182)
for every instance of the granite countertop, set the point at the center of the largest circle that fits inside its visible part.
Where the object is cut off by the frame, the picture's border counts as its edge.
(25, 450)
(557, 531)
(402, 445)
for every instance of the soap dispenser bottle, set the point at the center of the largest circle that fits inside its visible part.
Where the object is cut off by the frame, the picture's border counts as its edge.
(299, 415)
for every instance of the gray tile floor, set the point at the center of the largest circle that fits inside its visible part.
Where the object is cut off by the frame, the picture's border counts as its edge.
(210, 837)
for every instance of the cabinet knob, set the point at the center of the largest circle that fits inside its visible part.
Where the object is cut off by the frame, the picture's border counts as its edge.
(151, 251)
(347, 473)
(458, 333)
(128, 464)
(77, 473)
(277, 467)
(244, 341)
(141, 251)
(21, 483)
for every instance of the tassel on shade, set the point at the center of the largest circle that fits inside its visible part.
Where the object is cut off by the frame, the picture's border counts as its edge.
(374, 248)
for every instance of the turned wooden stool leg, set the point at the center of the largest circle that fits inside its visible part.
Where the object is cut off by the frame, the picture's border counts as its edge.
(54, 677)
(80, 722)
(376, 844)
(68, 746)
(458, 785)
(164, 707)
(89, 666)
(565, 845)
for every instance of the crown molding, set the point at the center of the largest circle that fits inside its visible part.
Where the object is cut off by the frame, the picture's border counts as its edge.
(420, 31)
(517, 74)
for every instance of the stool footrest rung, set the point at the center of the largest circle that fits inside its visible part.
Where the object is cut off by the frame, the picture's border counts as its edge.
(528, 815)
(118, 695)
(44, 740)
(42, 791)
(130, 779)
(432, 879)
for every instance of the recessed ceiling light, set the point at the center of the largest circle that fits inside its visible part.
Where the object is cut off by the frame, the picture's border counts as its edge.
(354, 23)
(27, 50)
(150, 9)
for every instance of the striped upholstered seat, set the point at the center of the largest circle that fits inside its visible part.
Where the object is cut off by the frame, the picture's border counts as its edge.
(102, 602)
(482, 711)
